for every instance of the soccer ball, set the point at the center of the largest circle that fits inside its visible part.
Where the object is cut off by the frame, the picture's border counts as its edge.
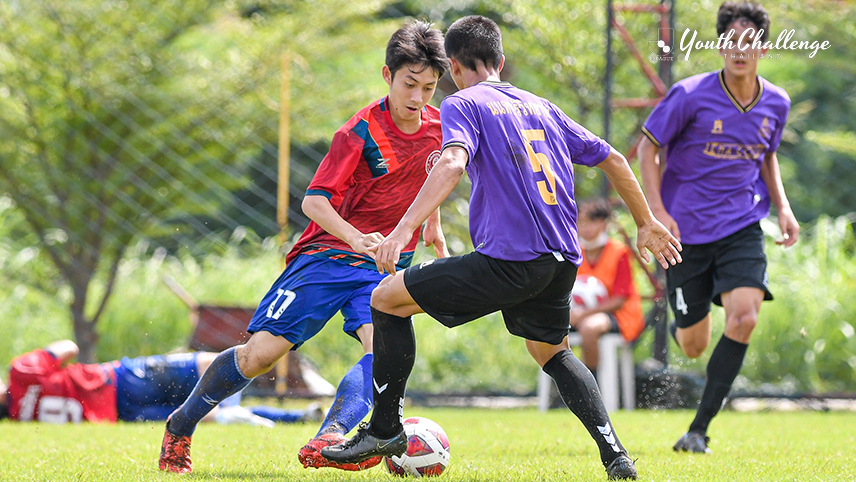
(427, 453)
(588, 292)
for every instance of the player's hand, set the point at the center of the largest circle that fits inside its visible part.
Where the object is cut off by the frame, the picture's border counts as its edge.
(668, 221)
(432, 235)
(790, 228)
(388, 252)
(365, 242)
(656, 238)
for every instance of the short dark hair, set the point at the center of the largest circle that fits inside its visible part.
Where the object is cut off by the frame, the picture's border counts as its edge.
(730, 12)
(417, 43)
(475, 39)
(595, 208)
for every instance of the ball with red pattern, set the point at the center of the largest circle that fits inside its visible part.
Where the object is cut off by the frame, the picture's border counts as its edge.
(428, 450)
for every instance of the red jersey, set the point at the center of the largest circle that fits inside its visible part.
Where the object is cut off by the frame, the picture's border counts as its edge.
(41, 389)
(612, 267)
(371, 176)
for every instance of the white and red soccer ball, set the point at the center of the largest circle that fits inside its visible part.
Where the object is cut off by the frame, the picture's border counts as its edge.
(427, 453)
(588, 292)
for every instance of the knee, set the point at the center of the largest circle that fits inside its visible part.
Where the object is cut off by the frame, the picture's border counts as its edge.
(589, 331)
(380, 296)
(740, 326)
(693, 350)
(254, 362)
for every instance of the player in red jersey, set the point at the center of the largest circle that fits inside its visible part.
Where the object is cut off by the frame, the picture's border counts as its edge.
(43, 387)
(377, 163)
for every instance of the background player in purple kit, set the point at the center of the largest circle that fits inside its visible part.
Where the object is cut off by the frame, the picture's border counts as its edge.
(376, 165)
(721, 130)
(518, 150)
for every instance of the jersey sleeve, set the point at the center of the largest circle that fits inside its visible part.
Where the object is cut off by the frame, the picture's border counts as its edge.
(776, 138)
(586, 148)
(28, 368)
(668, 118)
(623, 285)
(458, 121)
(336, 170)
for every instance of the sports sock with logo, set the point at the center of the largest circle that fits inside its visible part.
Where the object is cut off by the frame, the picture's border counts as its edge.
(394, 354)
(722, 368)
(353, 399)
(222, 379)
(580, 393)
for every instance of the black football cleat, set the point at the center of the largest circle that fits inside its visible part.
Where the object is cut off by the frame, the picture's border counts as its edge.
(364, 446)
(693, 442)
(622, 468)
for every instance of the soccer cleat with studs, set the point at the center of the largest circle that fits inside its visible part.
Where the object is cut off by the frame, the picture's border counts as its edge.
(310, 454)
(363, 446)
(175, 453)
(622, 468)
(693, 442)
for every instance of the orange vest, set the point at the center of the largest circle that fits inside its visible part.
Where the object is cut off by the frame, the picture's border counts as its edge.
(629, 316)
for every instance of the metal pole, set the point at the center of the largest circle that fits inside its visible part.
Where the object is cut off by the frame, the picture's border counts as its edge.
(607, 93)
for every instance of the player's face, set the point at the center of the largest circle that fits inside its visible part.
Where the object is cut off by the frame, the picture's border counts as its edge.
(410, 89)
(741, 62)
(588, 228)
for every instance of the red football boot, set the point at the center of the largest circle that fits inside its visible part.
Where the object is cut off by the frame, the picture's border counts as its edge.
(175, 454)
(310, 454)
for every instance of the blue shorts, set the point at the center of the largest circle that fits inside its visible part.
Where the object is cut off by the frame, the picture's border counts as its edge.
(152, 387)
(309, 292)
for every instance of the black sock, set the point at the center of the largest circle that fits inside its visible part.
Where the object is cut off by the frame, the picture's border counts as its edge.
(722, 369)
(580, 393)
(394, 353)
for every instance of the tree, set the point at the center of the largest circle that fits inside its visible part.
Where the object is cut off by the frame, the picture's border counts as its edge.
(123, 119)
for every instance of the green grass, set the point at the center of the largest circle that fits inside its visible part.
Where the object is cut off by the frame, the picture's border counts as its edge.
(487, 445)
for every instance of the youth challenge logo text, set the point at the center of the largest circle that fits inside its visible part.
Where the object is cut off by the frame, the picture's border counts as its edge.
(748, 40)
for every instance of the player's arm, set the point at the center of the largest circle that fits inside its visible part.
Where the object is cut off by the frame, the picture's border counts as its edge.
(319, 209)
(433, 235)
(63, 350)
(773, 179)
(651, 170)
(443, 178)
(651, 233)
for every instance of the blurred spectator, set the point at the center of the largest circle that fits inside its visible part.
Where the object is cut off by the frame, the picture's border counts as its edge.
(609, 261)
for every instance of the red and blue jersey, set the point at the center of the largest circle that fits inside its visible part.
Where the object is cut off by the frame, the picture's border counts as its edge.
(41, 389)
(371, 176)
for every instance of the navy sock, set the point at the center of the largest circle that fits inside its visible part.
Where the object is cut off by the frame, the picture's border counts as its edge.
(278, 414)
(580, 393)
(394, 354)
(722, 368)
(222, 378)
(353, 399)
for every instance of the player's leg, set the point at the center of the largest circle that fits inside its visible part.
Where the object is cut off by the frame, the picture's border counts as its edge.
(354, 397)
(580, 392)
(542, 321)
(740, 285)
(419, 288)
(690, 285)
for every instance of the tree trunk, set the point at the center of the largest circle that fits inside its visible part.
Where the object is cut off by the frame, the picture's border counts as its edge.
(84, 330)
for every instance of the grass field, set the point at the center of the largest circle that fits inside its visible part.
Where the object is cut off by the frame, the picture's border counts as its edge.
(487, 445)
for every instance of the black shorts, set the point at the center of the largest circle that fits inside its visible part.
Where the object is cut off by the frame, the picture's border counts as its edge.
(708, 270)
(533, 296)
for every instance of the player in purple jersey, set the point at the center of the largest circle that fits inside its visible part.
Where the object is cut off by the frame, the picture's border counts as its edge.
(376, 165)
(519, 151)
(720, 131)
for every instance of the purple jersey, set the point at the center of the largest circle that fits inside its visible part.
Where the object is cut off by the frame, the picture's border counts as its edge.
(712, 184)
(521, 148)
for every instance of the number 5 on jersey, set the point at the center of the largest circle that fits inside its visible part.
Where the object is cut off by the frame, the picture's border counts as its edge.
(289, 297)
(540, 163)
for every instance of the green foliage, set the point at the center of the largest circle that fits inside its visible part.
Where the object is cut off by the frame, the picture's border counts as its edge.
(518, 445)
